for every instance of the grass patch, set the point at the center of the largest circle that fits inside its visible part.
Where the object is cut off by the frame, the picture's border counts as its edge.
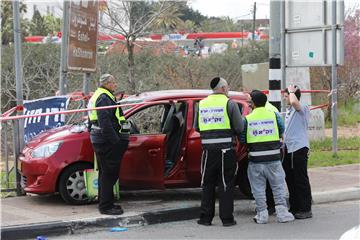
(7, 185)
(347, 114)
(325, 158)
(351, 143)
(321, 152)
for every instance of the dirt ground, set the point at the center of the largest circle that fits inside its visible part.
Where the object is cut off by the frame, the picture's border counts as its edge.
(344, 131)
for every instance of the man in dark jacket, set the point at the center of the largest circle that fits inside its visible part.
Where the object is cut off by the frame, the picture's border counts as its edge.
(109, 134)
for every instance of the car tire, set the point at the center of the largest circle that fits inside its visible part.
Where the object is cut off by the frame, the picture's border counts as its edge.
(243, 181)
(72, 184)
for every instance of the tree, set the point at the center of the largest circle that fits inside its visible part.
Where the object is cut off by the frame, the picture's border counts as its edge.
(215, 24)
(40, 68)
(7, 25)
(53, 24)
(167, 20)
(189, 26)
(188, 13)
(38, 25)
(349, 73)
(132, 19)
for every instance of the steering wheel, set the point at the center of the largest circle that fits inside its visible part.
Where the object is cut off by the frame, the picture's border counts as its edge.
(133, 129)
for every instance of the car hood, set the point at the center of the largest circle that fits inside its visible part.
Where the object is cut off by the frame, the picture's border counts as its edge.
(55, 134)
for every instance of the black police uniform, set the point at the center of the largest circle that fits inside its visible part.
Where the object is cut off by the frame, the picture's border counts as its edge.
(109, 146)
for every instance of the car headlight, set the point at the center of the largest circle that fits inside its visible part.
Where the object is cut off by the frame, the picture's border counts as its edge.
(46, 150)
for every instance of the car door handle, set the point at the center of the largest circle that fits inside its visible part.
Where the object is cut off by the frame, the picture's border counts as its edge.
(154, 152)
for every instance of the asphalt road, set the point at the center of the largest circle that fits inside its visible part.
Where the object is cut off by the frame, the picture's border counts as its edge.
(330, 221)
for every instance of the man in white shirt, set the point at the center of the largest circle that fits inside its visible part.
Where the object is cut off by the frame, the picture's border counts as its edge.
(296, 154)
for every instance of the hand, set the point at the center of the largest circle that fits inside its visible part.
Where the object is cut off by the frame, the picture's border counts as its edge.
(292, 88)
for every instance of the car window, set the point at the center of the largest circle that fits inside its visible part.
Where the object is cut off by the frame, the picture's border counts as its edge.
(148, 120)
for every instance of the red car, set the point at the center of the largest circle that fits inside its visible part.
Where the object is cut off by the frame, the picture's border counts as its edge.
(164, 149)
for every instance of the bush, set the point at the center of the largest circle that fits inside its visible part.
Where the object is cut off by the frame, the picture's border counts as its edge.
(41, 65)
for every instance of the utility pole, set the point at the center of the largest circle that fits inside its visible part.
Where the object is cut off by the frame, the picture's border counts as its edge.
(282, 52)
(64, 48)
(275, 75)
(254, 19)
(19, 125)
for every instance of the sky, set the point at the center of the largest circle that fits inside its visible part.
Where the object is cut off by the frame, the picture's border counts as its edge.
(241, 9)
(235, 9)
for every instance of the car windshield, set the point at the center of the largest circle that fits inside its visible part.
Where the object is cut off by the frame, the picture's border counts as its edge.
(130, 100)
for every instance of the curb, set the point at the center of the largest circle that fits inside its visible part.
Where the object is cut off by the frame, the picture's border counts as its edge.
(346, 194)
(70, 227)
(147, 218)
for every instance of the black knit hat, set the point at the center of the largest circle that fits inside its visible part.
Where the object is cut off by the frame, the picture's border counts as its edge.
(214, 82)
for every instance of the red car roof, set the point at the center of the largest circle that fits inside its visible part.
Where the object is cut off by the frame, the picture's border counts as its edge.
(178, 94)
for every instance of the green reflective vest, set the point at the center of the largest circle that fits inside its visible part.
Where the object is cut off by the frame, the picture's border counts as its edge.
(213, 113)
(262, 126)
(214, 122)
(92, 104)
(262, 135)
(271, 107)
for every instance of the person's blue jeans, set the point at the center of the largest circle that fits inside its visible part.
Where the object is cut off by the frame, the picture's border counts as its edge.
(258, 173)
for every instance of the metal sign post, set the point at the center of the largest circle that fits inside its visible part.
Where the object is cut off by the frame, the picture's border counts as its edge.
(314, 37)
(64, 47)
(19, 125)
(334, 81)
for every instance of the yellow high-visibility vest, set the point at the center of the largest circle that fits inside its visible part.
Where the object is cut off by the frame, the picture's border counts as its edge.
(92, 104)
(262, 126)
(213, 113)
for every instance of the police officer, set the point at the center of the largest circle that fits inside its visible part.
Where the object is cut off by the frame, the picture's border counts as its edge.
(219, 122)
(109, 134)
(263, 129)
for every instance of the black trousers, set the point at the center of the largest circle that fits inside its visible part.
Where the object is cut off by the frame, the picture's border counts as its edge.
(109, 157)
(295, 166)
(215, 173)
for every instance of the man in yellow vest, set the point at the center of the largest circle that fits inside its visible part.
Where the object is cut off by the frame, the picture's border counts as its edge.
(109, 134)
(263, 129)
(269, 196)
(219, 122)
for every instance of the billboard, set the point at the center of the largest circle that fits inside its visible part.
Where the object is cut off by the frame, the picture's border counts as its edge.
(35, 125)
(83, 36)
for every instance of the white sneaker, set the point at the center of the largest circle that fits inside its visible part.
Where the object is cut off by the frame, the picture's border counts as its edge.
(262, 217)
(283, 215)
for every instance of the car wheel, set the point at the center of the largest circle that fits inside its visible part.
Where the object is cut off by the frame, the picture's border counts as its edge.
(243, 181)
(72, 184)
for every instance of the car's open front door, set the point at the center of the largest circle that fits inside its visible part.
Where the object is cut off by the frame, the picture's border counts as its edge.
(143, 162)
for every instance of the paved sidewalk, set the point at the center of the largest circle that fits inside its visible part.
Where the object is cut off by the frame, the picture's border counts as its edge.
(30, 216)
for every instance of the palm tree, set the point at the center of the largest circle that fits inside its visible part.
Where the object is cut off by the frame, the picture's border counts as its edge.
(168, 20)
